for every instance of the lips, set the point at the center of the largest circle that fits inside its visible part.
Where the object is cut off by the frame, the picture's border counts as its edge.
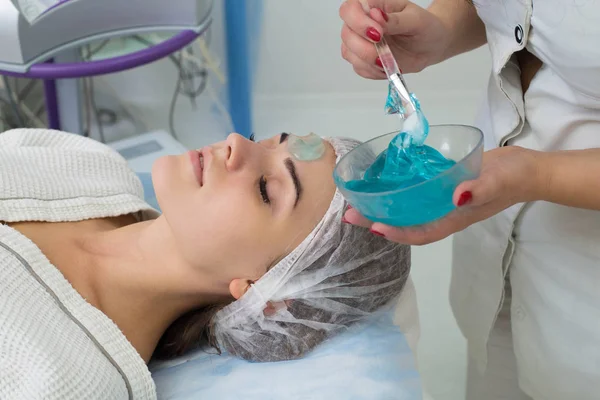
(198, 165)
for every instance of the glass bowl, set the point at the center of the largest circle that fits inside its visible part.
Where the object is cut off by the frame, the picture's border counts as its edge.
(421, 203)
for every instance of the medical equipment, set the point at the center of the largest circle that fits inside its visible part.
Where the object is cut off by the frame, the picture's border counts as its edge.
(48, 47)
(425, 180)
(306, 148)
(336, 277)
(61, 25)
(369, 361)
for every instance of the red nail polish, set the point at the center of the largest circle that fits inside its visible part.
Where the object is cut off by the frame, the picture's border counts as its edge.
(373, 34)
(464, 198)
(349, 207)
(377, 233)
(378, 62)
(384, 15)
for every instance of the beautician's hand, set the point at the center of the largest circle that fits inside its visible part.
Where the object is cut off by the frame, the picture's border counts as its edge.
(509, 175)
(417, 37)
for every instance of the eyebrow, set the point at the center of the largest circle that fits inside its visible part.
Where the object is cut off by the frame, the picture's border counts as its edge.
(289, 164)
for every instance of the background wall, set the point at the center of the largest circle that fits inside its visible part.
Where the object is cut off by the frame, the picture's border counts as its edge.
(301, 75)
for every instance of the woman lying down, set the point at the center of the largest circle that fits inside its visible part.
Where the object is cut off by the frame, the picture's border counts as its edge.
(250, 256)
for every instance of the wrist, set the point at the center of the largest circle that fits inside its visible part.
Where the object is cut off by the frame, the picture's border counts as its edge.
(464, 29)
(538, 175)
(445, 12)
(440, 9)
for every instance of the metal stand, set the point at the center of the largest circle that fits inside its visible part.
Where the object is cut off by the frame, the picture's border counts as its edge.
(51, 104)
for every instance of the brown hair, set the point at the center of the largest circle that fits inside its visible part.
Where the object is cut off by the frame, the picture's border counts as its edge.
(192, 330)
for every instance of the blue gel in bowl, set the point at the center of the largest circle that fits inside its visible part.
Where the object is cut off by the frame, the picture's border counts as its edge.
(415, 184)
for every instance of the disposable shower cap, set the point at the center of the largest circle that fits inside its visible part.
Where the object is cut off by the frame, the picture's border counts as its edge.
(338, 276)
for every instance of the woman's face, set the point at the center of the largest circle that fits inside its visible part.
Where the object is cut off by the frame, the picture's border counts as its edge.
(237, 207)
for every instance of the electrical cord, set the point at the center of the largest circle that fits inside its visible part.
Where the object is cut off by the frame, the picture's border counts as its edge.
(22, 94)
(189, 74)
(13, 102)
(185, 79)
(186, 84)
(148, 43)
(88, 108)
(174, 99)
(91, 53)
(96, 111)
(4, 123)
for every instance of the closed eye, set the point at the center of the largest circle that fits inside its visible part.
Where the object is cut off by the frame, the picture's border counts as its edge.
(262, 181)
(262, 188)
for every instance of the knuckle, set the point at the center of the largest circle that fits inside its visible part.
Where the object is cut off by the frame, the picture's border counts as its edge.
(343, 10)
(365, 54)
(345, 33)
(361, 72)
(345, 53)
(364, 50)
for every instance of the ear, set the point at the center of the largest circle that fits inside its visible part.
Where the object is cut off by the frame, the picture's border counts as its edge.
(238, 287)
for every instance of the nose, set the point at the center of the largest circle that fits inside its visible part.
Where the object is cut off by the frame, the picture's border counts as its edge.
(239, 151)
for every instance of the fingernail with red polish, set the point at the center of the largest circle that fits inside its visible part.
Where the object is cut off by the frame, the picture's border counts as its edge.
(378, 62)
(464, 198)
(377, 233)
(373, 34)
(384, 15)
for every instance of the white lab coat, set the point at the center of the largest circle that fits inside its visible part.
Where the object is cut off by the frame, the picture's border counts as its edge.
(551, 251)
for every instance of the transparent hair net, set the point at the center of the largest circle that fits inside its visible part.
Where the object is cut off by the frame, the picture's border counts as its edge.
(339, 275)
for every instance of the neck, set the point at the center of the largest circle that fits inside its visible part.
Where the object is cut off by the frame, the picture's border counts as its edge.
(140, 281)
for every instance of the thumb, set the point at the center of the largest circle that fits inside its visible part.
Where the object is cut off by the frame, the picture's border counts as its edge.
(352, 216)
(475, 192)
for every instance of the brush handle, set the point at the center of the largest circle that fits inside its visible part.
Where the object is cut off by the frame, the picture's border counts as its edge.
(383, 50)
(391, 68)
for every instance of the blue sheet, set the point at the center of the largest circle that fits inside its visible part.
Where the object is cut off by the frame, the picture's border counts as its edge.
(367, 362)
(149, 194)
